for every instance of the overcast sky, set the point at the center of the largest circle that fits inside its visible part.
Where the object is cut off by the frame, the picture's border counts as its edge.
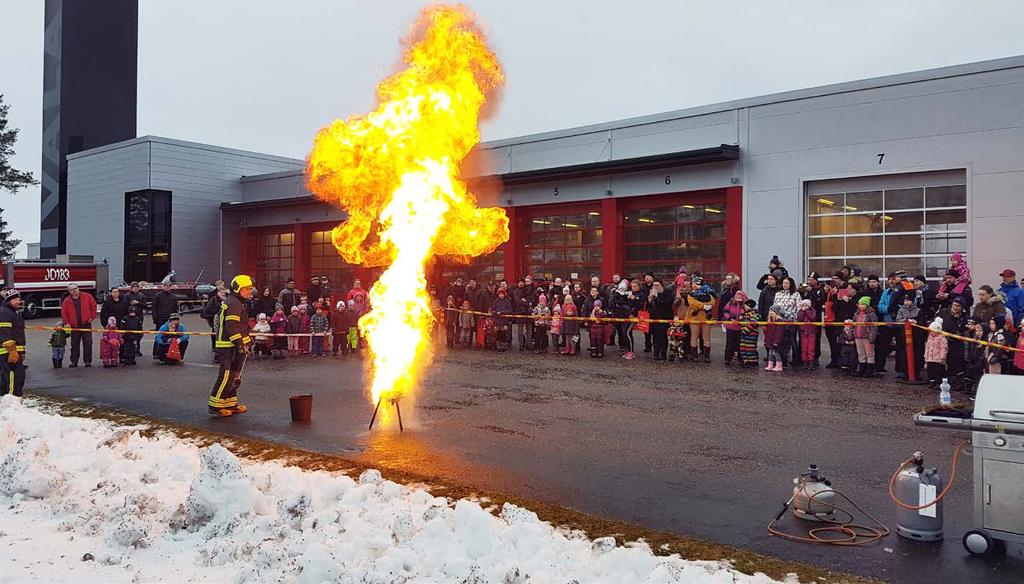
(264, 75)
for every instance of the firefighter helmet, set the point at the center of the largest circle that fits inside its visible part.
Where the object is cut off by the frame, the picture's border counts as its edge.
(241, 281)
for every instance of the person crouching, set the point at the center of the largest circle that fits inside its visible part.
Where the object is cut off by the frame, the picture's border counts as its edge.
(110, 344)
(169, 332)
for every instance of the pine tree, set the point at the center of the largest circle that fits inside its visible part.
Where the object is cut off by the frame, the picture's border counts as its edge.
(7, 244)
(11, 179)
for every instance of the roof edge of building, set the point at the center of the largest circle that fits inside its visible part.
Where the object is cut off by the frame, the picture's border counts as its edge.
(175, 142)
(919, 76)
(273, 175)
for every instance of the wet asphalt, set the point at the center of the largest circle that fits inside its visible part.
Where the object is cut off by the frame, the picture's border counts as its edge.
(691, 448)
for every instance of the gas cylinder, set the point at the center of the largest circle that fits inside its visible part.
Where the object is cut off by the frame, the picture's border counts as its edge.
(813, 497)
(917, 485)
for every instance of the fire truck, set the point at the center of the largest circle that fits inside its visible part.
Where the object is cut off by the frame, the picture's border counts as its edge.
(43, 283)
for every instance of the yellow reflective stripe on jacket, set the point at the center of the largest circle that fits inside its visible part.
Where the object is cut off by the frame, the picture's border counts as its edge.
(246, 340)
(233, 317)
(220, 327)
(6, 325)
(235, 337)
(225, 344)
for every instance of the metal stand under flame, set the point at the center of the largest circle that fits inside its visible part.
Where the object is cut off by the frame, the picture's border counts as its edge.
(398, 408)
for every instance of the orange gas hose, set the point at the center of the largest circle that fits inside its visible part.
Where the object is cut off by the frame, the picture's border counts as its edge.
(854, 534)
(941, 496)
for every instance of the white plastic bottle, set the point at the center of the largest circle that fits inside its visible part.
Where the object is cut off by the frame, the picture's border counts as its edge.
(944, 398)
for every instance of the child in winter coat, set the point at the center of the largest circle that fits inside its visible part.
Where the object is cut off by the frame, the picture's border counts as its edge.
(678, 335)
(110, 344)
(848, 348)
(556, 327)
(351, 323)
(261, 340)
(774, 336)
(450, 314)
(58, 344)
(1018, 356)
(304, 329)
(808, 333)
(570, 326)
(319, 328)
(597, 330)
(936, 350)
(748, 333)
(132, 321)
(865, 335)
(995, 356)
(541, 324)
(734, 310)
(958, 264)
(974, 353)
(339, 329)
(294, 328)
(466, 327)
(279, 326)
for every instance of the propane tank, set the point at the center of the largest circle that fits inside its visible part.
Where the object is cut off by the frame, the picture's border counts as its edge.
(917, 485)
(813, 497)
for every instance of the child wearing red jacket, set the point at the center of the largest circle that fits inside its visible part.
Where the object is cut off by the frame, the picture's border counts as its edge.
(808, 334)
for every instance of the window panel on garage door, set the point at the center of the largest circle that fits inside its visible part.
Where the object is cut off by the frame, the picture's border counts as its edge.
(884, 230)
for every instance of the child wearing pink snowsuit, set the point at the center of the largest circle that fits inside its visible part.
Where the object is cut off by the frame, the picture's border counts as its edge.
(808, 333)
(110, 344)
(958, 264)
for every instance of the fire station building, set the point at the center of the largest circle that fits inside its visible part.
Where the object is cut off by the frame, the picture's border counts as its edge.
(888, 173)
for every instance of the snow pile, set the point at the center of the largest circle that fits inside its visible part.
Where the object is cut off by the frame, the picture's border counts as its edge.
(88, 501)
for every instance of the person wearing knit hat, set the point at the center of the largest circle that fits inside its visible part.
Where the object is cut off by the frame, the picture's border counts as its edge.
(776, 269)
(541, 324)
(110, 344)
(995, 356)
(936, 350)
(808, 333)
(733, 310)
(865, 335)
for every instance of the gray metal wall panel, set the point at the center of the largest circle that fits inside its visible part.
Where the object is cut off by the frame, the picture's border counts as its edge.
(274, 188)
(96, 188)
(200, 178)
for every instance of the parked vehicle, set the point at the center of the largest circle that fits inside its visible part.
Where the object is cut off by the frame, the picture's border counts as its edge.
(43, 283)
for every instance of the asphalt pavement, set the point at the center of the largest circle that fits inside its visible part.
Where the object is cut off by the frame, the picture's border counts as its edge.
(691, 448)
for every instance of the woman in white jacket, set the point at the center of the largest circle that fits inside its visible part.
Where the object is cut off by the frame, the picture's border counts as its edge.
(787, 299)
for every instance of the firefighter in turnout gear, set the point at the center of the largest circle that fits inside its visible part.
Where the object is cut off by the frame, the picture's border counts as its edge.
(233, 345)
(12, 344)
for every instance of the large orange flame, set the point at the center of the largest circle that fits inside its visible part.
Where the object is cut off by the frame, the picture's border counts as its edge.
(395, 171)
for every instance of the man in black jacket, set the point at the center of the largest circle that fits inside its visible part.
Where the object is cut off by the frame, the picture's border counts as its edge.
(115, 306)
(233, 347)
(659, 304)
(645, 291)
(164, 305)
(522, 304)
(12, 344)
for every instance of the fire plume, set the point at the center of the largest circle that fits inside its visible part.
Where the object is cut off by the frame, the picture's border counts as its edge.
(395, 171)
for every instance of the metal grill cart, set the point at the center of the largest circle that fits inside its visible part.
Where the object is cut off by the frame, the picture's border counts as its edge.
(998, 444)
